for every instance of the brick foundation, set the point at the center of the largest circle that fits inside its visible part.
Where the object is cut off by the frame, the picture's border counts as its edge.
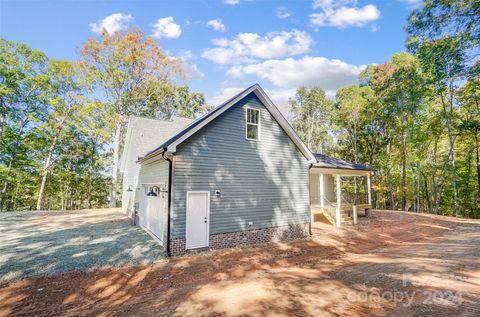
(246, 238)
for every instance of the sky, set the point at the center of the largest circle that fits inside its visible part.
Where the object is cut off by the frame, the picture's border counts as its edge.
(228, 45)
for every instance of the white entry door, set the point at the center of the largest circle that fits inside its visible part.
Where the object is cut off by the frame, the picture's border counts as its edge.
(197, 222)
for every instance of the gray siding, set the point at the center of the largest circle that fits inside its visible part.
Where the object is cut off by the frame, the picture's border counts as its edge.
(265, 182)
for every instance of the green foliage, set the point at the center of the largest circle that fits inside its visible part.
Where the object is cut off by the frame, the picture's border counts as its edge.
(55, 146)
(310, 110)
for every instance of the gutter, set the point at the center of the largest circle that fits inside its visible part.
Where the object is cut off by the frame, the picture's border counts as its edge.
(170, 169)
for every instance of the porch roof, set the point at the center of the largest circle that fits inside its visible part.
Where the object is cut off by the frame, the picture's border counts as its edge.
(324, 161)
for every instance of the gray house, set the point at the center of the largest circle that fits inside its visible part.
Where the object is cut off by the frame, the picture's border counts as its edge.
(238, 175)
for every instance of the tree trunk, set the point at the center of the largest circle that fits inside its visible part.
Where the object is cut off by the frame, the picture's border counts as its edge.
(427, 195)
(419, 176)
(477, 144)
(116, 150)
(46, 168)
(389, 177)
(404, 171)
(451, 139)
(414, 186)
(6, 182)
(2, 119)
(454, 177)
(442, 182)
(10, 164)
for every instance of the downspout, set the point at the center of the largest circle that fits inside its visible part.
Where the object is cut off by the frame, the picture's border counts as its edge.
(170, 168)
(309, 201)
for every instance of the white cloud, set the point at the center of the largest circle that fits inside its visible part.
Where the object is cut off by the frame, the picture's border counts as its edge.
(343, 13)
(412, 3)
(279, 97)
(329, 74)
(112, 23)
(166, 28)
(247, 47)
(216, 24)
(223, 95)
(231, 2)
(283, 12)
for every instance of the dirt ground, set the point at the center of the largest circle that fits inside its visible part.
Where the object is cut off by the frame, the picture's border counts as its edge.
(395, 264)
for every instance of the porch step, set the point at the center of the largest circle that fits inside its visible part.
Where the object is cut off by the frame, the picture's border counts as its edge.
(330, 215)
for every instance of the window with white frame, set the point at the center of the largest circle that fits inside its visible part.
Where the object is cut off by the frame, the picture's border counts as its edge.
(252, 129)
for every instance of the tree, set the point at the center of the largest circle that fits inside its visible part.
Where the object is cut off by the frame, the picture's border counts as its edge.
(169, 100)
(399, 84)
(469, 96)
(23, 86)
(445, 36)
(351, 104)
(311, 109)
(127, 68)
(65, 102)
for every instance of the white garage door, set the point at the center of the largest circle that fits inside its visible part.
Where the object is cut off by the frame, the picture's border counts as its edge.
(152, 216)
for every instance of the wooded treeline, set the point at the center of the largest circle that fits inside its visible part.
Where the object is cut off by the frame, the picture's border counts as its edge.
(415, 118)
(62, 122)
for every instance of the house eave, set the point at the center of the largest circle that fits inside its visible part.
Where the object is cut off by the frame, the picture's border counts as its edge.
(341, 171)
(151, 157)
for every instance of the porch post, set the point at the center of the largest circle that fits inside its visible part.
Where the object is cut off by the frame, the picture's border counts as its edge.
(321, 193)
(339, 200)
(355, 215)
(369, 185)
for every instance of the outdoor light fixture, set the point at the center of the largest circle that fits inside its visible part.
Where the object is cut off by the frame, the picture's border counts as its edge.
(130, 188)
(152, 192)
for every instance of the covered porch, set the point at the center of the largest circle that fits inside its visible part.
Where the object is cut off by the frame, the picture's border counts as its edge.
(339, 190)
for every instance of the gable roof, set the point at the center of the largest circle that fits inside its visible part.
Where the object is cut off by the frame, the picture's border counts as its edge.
(330, 162)
(144, 134)
(171, 144)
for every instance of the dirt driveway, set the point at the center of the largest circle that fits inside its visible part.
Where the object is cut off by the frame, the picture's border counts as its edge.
(35, 243)
(396, 264)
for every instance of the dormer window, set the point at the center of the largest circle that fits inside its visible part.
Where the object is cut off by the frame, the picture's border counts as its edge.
(252, 119)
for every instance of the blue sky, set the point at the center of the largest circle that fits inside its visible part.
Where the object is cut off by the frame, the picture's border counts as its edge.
(229, 44)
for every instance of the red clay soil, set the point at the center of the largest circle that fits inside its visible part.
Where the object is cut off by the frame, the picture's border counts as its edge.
(395, 264)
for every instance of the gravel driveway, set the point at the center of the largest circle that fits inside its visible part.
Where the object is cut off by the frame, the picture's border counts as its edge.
(37, 243)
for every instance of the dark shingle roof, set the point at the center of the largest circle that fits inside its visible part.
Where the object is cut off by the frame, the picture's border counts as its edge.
(330, 162)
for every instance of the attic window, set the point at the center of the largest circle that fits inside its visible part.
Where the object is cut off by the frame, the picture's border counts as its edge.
(252, 118)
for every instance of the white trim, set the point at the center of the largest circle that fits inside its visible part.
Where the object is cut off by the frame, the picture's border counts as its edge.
(369, 187)
(338, 181)
(284, 123)
(254, 124)
(355, 215)
(173, 147)
(334, 171)
(322, 190)
(270, 107)
(207, 242)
